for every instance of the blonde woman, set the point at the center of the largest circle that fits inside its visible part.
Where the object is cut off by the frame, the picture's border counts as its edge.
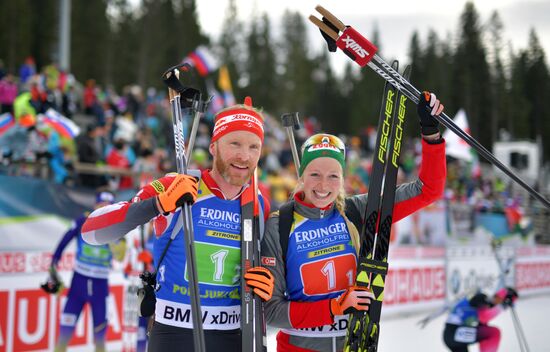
(315, 275)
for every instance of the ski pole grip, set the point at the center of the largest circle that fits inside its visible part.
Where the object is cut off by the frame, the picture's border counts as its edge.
(291, 119)
(357, 47)
(170, 77)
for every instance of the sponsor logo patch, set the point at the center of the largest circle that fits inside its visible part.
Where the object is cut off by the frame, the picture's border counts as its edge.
(157, 186)
(268, 261)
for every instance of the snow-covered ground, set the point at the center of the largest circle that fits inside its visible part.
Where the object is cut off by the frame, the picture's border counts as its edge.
(401, 333)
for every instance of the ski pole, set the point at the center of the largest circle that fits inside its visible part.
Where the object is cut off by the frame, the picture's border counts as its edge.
(291, 123)
(142, 228)
(176, 91)
(362, 51)
(522, 340)
(253, 328)
(496, 244)
(519, 331)
(199, 107)
(260, 338)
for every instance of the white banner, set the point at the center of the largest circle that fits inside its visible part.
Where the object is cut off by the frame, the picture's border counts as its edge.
(471, 268)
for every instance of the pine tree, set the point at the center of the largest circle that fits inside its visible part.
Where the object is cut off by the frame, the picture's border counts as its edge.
(416, 58)
(89, 39)
(232, 47)
(537, 91)
(297, 84)
(520, 107)
(330, 106)
(498, 78)
(123, 45)
(28, 28)
(470, 76)
(261, 64)
(366, 95)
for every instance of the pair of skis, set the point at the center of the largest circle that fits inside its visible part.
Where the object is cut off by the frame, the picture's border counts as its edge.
(364, 327)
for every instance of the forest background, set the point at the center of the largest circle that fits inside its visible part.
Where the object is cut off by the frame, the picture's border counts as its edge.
(117, 44)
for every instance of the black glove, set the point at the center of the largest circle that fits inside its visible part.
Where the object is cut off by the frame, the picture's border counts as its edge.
(429, 106)
(331, 43)
(53, 284)
(147, 294)
(510, 298)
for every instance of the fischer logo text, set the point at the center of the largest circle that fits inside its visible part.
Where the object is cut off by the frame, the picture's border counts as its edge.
(399, 131)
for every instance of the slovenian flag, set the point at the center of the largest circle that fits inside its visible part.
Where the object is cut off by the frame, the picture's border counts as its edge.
(203, 61)
(63, 126)
(6, 122)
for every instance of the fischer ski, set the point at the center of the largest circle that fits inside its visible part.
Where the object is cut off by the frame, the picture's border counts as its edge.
(253, 329)
(364, 327)
(362, 51)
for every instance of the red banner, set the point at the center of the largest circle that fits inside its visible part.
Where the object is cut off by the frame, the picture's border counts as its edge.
(35, 316)
(423, 283)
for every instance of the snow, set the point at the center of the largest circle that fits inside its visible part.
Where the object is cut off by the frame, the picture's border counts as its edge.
(401, 333)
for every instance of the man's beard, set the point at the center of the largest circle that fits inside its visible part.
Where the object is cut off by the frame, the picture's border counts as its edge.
(223, 168)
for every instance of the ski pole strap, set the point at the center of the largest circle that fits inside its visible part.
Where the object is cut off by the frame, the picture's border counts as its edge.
(286, 218)
(352, 43)
(162, 256)
(171, 79)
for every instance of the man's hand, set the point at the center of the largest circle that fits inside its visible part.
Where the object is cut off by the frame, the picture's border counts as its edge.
(182, 190)
(356, 298)
(261, 280)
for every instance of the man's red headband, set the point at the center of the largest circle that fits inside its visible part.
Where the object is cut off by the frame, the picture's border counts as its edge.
(238, 119)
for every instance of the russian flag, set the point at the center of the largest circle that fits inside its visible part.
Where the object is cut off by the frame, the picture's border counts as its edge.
(63, 126)
(202, 60)
(6, 122)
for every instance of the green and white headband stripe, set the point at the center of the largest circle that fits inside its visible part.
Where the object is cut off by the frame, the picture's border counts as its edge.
(322, 145)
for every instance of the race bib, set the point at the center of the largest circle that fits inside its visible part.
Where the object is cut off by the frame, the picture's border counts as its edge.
(465, 334)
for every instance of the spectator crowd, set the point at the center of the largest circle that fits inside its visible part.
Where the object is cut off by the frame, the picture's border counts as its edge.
(125, 139)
